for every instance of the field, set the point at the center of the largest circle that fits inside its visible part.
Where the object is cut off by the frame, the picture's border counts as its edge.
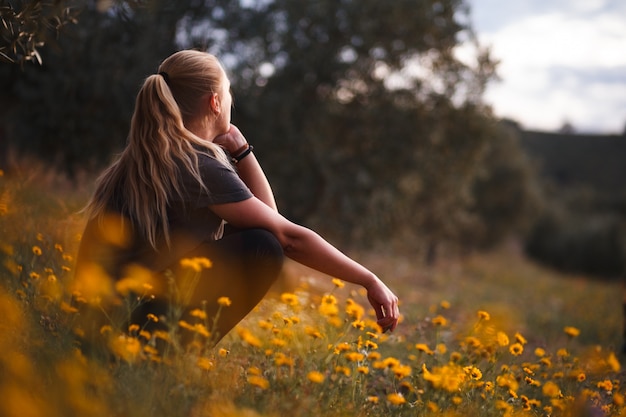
(491, 334)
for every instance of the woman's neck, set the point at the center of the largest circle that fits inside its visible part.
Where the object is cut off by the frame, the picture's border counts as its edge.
(202, 128)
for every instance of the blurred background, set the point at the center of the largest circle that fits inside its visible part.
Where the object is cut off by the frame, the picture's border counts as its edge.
(433, 128)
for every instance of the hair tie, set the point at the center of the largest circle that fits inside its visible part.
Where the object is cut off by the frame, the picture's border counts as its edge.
(165, 76)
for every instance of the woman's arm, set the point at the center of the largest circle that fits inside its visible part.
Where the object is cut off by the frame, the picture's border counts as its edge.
(248, 168)
(307, 247)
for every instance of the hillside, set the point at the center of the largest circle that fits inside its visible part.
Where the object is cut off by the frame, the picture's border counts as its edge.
(570, 160)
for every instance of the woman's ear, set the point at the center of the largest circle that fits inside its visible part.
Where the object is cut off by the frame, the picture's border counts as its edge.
(214, 103)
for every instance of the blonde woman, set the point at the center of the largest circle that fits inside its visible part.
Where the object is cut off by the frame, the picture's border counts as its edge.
(188, 185)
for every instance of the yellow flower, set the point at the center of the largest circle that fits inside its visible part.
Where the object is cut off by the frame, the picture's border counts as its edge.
(201, 329)
(150, 350)
(342, 347)
(283, 360)
(571, 331)
(162, 334)
(401, 371)
(197, 263)
(278, 342)
(539, 352)
(315, 377)
(473, 372)
(223, 352)
(343, 370)
(516, 349)
(68, 308)
(447, 377)
(289, 299)
(205, 363)
(546, 361)
(551, 389)
(358, 324)
(372, 399)
(441, 348)
(354, 356)
(520, 339)
(152, 318)
(338, 283)
(605, 385)
(37, 250)
(313, 332)
(396, 399)
(532, 382)
(483, 315)
(613, 362)
(503, 405)
(445, 304)
(364, 370)
(503, 339)
(472, 341)
(265, 324)
(371, 345)
(133, 346)
(258, 381)
(422, 347)
(224, 301)
(201, 314)
(389, 362)
(248, 337)
(328, 306)
(439, 321)
(253, 370)
(355, 310)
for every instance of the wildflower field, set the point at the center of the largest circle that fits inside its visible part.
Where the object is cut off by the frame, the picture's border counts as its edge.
(488, 335)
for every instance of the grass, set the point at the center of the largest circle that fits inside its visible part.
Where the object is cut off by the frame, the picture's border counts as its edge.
(488, 335)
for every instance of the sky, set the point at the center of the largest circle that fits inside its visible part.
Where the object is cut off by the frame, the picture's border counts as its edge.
(561, 61)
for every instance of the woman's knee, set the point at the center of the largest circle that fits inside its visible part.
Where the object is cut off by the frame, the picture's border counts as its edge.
(263, 246)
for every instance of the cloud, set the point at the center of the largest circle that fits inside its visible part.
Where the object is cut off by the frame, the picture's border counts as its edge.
(560, 60)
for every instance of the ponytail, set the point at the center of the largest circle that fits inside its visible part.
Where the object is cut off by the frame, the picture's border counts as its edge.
(146, 174)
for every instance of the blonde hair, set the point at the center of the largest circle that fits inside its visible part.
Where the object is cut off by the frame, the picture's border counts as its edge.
(143, 178)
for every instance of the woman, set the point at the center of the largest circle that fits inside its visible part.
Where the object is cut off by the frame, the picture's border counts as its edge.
(187, 186)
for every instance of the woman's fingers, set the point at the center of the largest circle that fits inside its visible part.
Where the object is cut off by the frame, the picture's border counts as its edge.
(387, 313)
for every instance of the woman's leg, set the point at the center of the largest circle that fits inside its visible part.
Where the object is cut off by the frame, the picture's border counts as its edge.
(245, 264)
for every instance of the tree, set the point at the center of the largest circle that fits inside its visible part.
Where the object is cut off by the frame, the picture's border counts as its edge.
(383, 158)
(73, 111)
(366, 121)
(25, 26)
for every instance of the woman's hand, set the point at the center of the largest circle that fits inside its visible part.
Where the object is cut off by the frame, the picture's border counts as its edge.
(385, 304)
(232, 141)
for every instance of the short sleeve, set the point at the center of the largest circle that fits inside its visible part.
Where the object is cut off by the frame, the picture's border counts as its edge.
(223, 185)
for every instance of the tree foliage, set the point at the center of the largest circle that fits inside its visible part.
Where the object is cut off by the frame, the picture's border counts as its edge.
(26, 26)
(367, 123)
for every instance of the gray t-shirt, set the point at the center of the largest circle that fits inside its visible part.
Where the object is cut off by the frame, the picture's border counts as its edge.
(191, 223)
